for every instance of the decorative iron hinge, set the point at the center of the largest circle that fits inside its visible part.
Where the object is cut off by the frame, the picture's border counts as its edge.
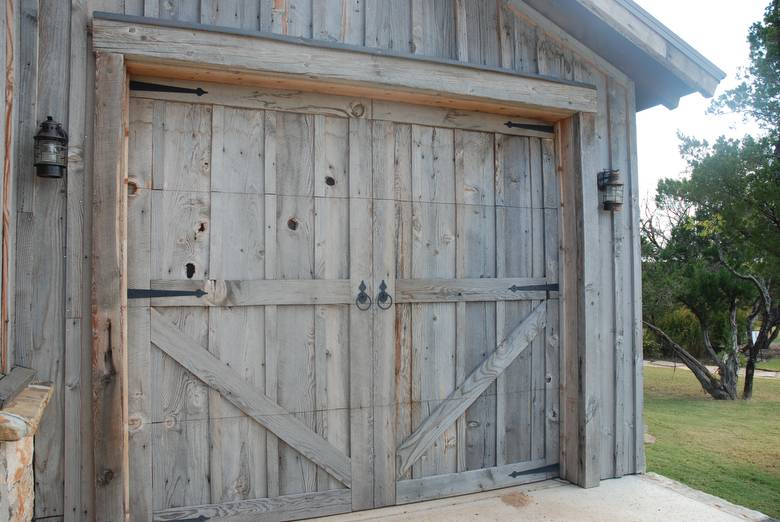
(535, 288)
(545, 469)
(530, 126)
(143, 293)
(158, 87)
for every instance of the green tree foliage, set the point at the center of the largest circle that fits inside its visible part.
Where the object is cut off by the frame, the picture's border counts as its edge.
(713, 245)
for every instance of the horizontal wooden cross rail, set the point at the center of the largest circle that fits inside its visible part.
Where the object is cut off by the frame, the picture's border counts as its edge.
(268, 292)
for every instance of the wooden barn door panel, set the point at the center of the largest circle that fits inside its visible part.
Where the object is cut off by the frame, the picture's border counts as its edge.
(255, 383)
(465, 234)
(240, 393)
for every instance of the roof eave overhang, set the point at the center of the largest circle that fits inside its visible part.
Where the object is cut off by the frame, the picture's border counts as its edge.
(664, 68)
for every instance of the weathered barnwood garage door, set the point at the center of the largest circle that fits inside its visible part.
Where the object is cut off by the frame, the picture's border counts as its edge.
(257, 384)
(466, 236)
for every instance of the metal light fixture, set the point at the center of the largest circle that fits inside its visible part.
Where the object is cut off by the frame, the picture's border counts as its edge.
(51, 150)
(611, 189)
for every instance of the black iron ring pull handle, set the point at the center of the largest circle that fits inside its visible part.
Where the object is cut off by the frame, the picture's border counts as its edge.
(384, 300)
(363, 300)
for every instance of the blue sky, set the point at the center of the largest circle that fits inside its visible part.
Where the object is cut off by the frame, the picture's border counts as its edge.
(717, 29)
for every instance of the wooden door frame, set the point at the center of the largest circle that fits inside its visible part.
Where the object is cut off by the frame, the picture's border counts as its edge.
(134, 45)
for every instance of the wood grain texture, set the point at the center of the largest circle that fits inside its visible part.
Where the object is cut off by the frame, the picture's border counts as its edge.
(465, 289)
(442, 417)
(453, 484)
(271, 338)
(361, 357)
(234, 97)
(109, 284)
(433, 255)
(236, 335)
(288, 507)
(475, 196)
(635, 294)
(331, 263)
(148, 42)
(388, 25)
(384, 257)
(190, 354)
(255, 292)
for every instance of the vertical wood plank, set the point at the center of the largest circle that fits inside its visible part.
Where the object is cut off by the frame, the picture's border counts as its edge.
(47, 276)
(271, 337)
(514, 259)
(183, 147)
(552, 331)
(109, 335)
(295, 237)
(299, 17)
(475, 194)
(433, 28)
(552, 59)
(605, 351)
(623, 367)
(237, 146)
(537, 269)
(403, 267)
(635, 269)
(433, 255)
(384, 331)
(339, 21)
(243, 14)
(331, 261)
(388, 24)
(180, 10)
(518, 37)
(479, 28)
(140, 397)
(76, 382)
(181, 220)
(361, 322)
(236, 335)
(581, 451)
(180, 416)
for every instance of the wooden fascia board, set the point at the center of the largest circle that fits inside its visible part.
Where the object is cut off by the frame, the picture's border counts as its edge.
(657, 42)
(239, 56)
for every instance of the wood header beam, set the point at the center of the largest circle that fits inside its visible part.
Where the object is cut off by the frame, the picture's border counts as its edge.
(192, 51)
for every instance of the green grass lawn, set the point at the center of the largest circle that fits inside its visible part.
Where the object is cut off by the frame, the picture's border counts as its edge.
(727, 448)
(771, 364)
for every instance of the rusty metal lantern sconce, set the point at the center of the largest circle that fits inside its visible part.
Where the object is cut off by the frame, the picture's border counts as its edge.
(51, 150)
(611, 190)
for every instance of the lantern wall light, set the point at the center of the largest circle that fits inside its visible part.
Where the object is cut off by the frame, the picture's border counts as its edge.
(51, 150)
(610, 189)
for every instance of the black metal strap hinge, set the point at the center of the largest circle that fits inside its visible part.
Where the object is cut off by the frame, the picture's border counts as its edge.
(530, 126)
(546, 469)
(158, 87)
(143, 293)
(535, 288)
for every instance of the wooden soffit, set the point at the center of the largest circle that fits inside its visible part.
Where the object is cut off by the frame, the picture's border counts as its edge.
(198, 52)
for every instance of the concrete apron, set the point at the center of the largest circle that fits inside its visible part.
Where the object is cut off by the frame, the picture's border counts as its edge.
(648, 497)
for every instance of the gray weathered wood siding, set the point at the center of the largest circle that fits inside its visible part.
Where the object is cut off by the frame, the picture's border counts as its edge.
(51, 294)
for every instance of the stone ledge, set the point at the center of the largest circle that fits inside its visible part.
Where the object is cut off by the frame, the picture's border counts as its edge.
(21, 417)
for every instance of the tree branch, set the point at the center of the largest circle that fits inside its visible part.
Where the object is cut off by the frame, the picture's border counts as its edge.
(699, 370)
(763, 290)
